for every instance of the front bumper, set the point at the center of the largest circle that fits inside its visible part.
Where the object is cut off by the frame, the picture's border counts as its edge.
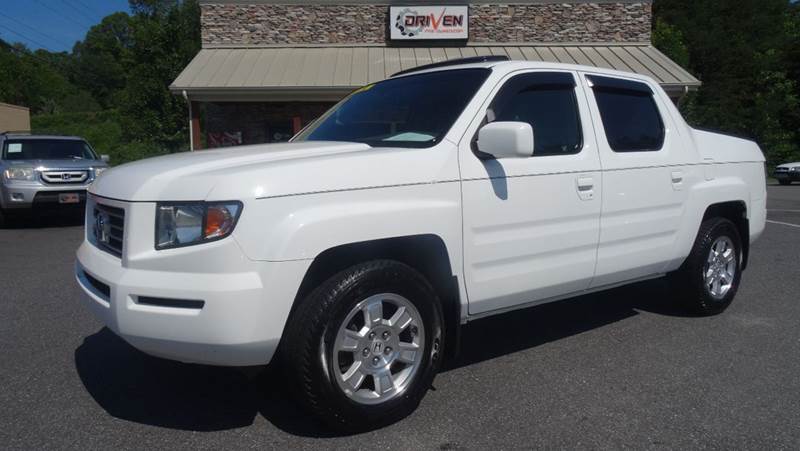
(245, 303)
(26, 195)
(787, 175)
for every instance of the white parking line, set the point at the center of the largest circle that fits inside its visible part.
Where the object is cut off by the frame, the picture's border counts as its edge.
(786, 211)
(784, 223)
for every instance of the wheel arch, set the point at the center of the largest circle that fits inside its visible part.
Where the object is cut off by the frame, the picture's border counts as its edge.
(426, 253)
(736, 212)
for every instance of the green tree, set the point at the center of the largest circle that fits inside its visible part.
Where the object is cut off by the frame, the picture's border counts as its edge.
(36, 80)
(742, 53)
(100, 61)
(670, 41)
(166, 38)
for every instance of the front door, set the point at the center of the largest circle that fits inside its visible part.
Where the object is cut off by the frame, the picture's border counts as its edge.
(531, 225)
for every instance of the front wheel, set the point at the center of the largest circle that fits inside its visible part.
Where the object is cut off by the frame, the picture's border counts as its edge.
(784, 182)
(363, 348)
(709, 278)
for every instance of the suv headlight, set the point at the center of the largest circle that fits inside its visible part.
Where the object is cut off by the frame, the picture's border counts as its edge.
(185, 224)
(20, 173)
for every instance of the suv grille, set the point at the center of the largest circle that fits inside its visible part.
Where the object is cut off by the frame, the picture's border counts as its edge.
(108, 228)
(57, 176)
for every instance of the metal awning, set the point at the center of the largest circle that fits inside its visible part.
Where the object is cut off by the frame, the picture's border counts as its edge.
(316, 73)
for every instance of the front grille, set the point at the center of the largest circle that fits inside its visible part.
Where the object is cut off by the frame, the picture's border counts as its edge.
(108, 227)
(65, 176)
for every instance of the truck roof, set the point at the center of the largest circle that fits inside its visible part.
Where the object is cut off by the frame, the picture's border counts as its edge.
(510, 65)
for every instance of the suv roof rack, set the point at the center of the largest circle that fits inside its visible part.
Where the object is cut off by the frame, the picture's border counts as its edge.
(455, 62)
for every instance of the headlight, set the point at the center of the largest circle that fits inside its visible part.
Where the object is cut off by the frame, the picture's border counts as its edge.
(98, 171)
(184, 224)
(20, 173)
(794, 168)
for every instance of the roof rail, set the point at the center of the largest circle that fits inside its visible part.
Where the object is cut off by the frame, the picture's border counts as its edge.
(456, 62)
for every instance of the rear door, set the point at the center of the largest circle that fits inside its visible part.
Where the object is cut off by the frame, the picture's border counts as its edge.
(644, 178)
(531, 225)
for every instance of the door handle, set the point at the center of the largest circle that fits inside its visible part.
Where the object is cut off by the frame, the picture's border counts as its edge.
(585, 183)
(677, 180)
(586, 188)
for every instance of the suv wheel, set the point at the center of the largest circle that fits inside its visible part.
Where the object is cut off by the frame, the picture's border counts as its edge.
(784, 182)
(709, 278)
(363, 347)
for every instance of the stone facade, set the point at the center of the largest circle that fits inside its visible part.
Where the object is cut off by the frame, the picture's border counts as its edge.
(561, 22)
(271, 24)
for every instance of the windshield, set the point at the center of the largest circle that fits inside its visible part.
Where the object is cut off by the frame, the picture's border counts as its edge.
(412, 111)
(47, 149)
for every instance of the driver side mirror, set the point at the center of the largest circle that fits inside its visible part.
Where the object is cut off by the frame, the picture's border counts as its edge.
(506, 139)
(105, 158)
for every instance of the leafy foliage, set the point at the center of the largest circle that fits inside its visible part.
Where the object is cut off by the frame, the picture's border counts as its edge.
(112, 88)
(747, 54)
(103, 129)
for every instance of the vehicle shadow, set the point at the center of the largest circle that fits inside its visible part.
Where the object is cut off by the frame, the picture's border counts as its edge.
(133, 386)
(518, 330)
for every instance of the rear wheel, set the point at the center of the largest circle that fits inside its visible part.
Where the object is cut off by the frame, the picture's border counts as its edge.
(363, 348)
(709, 278)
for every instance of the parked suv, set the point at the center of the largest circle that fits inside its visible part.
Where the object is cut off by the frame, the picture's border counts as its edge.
(353, 254)
(41, 171)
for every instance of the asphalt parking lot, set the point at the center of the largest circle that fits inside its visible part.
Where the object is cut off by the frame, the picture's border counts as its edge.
(621, 369)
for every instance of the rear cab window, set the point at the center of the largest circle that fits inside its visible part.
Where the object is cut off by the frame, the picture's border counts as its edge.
(631, 119)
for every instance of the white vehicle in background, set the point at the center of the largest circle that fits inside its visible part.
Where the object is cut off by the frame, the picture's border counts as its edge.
(439, 196)
(787, 173)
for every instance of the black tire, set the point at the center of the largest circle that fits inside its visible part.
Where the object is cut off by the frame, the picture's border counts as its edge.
(307, 346)
(689, 282)
(3, 218)
(785, 182)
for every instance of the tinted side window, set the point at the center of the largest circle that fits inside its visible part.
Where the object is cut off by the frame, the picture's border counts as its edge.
(547, 102)
(630, 116)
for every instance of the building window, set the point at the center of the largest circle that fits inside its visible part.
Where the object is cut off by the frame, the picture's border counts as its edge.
(279, 130)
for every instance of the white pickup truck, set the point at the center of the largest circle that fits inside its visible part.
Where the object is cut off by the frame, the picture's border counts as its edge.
(354, 253)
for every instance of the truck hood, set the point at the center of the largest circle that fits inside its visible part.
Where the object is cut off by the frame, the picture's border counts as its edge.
(270, 170)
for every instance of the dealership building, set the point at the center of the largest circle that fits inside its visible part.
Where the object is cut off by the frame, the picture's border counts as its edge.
(269, 67)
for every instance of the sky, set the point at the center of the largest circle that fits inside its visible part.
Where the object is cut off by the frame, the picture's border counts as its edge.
(53, 25)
